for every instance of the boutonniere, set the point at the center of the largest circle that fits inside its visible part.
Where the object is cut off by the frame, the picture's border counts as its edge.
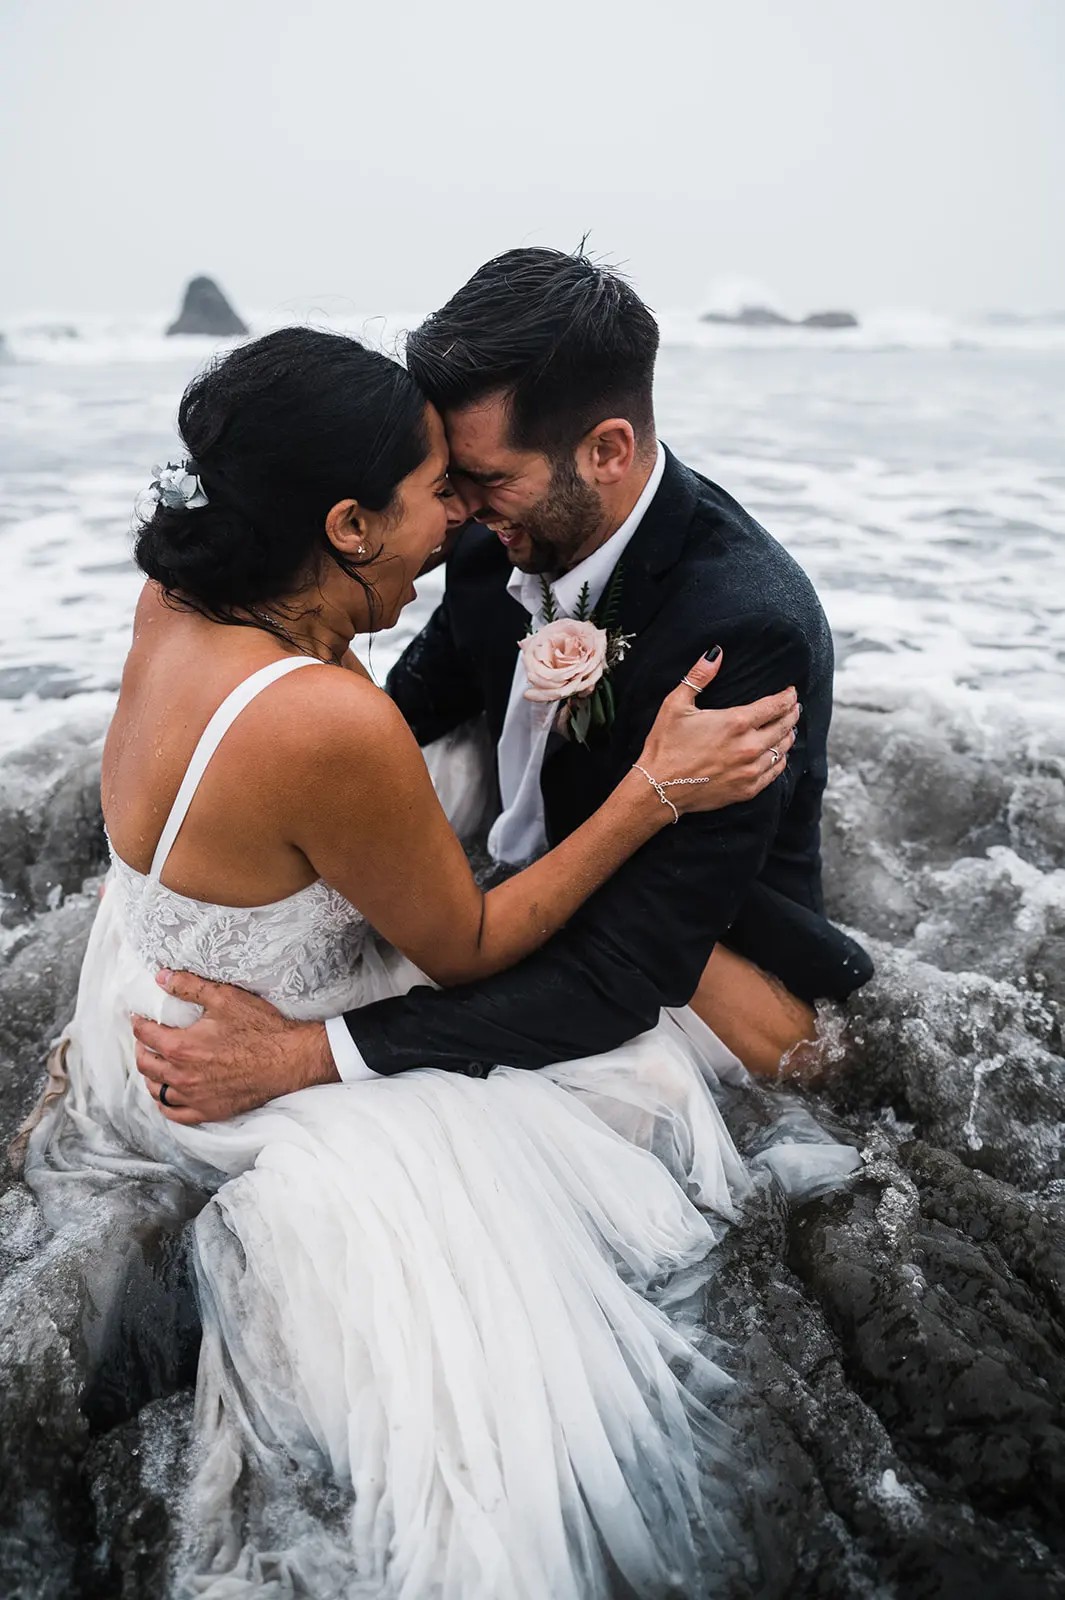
(568, 660)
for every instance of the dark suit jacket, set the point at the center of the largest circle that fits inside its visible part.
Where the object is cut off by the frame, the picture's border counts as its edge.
(698, 572)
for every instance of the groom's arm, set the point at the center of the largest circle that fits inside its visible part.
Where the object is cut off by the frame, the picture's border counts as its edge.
(640, 943)
(643, 941)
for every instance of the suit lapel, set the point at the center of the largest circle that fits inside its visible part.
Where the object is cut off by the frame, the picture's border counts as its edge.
(655, 548)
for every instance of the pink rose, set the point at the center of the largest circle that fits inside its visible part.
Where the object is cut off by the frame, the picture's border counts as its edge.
(564, 660)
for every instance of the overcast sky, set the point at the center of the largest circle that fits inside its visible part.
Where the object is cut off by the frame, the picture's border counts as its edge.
(843, 152)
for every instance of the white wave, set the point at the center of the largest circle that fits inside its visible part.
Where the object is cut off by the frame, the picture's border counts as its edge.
(925, 496)
(98, 339)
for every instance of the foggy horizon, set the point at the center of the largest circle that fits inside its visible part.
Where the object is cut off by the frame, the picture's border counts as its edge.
(835, 158)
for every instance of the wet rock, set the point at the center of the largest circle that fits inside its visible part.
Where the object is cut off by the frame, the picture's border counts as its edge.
(205, 310)
(51, 825)
(945, 835)
(137, 1475)
(959, 1354)
(46, 682)
(840, 1499)
(975, 1064)
(38, 983)
(97, 1320)
(45, 1522)
(927, 790)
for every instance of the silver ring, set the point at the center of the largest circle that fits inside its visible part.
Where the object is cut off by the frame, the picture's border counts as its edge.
(163, 1101)
(690, 684)
(774, 755)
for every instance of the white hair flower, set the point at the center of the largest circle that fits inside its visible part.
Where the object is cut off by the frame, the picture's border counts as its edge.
(178, 488)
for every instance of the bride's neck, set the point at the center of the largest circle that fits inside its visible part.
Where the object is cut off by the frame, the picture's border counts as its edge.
(309, 622)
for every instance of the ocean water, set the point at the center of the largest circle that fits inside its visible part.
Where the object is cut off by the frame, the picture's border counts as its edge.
(917, 470)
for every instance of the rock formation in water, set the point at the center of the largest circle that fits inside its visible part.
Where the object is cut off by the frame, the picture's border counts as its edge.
(900, 1344)
(766, 317)
(830, 319)
(56, 332)
(205, 310)
(750, 317)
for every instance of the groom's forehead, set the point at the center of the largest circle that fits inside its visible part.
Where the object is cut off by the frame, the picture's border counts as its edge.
(478, 437)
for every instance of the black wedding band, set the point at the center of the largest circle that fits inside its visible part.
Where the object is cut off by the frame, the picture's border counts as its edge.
(163, 1101)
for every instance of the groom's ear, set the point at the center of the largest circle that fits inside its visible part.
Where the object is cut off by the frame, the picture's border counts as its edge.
(609, 450)
(346, 528)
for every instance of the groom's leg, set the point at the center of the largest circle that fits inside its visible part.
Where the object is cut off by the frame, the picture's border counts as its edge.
(752, 1012)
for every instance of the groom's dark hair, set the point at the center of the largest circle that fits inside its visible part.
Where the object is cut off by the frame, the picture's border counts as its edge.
(567, 341)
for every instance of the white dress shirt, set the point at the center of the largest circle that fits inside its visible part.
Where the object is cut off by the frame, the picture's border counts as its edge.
(519, 832)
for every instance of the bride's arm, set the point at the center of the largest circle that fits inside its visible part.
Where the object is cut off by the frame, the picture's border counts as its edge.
(377, 833)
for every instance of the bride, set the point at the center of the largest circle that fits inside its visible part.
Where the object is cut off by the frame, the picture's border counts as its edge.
(433, 1286)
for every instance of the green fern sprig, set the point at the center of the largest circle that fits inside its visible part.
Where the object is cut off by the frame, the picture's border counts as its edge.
(548, 603)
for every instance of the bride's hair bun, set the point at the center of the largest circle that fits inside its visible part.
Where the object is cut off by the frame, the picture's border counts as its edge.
(209, 554)
(280, 430)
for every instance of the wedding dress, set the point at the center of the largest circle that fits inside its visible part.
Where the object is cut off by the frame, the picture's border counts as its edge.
(435, 1291)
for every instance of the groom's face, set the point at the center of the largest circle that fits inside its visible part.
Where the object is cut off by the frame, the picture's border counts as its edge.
(542, 511)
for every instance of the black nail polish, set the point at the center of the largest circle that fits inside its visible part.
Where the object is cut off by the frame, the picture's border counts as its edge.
(712, 655)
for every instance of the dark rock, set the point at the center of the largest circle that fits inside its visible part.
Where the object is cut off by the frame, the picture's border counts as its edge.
(51, 682)
(96, 1322)
(205, 310)
(51, 826)
(847, 1486)
(137, 1474)
(972, 1063)
(959, 1354)
(830, 319)
(766, 317)
(38, 983)
(938, 834)
(751, 317)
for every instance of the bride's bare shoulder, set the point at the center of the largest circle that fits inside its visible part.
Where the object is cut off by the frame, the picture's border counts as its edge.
(153, 609)
(339, 717)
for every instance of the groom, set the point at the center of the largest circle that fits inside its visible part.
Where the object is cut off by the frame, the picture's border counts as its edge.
(542, 366)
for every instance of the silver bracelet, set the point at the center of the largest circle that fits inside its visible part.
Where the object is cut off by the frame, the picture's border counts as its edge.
(667, 783)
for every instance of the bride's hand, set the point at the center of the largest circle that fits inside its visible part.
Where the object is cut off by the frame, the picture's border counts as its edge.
(739, 750)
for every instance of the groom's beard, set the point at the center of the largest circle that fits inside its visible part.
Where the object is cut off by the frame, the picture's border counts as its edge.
(567, 518)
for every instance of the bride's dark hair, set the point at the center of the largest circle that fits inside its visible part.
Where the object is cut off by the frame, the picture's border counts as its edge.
(279, 430)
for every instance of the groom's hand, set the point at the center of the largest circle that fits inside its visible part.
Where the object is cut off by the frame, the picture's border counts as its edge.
(241, 1053)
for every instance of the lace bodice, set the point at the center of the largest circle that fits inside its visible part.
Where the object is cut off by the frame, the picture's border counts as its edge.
(305, 953)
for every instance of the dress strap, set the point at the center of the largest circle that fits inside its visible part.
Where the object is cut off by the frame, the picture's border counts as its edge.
(210, 739)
